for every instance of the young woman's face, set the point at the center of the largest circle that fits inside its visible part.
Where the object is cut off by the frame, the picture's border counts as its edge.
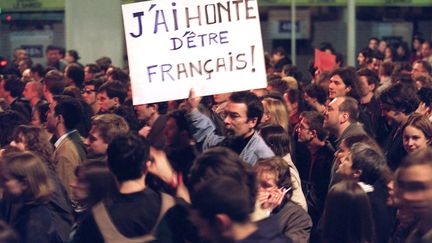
(19, 144)
(414, 139)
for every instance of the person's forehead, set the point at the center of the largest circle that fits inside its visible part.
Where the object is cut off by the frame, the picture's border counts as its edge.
(335, 102)
(240, 108)
(336, 78)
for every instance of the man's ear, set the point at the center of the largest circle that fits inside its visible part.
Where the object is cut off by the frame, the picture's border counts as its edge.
(60, 119)
(223, 223)
(253, 122)
(357, 173)
(117, 100)
(345, 117)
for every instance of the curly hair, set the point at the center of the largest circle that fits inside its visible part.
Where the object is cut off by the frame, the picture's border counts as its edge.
(36, 140)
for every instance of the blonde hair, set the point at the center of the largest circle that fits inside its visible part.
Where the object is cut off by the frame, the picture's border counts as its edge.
(29, 169)
(277, 111)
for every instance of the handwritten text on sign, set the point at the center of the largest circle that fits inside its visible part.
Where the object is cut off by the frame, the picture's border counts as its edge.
(212, 46)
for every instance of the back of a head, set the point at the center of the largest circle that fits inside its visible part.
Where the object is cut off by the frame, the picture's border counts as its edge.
(347, 203)
(277, 138)
(104, 63)
(100, 181)
(9, 120)
(54, 82)
(70, 109)
(399, 97)
(277, 112)
(350, 105)
(317, 92)
(370, 161)
(76, 73)
(254, 106)
(127, 156)
(29, 169)
(14, 85)
(222, 195)
(220, 161)
(109, 126)
(114, 89)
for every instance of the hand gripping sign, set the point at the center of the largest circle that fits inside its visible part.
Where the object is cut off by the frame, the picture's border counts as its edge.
(209, 45)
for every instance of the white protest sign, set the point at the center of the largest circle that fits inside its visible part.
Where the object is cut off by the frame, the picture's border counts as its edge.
(211, 46)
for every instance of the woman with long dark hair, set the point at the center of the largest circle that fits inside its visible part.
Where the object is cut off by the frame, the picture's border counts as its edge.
(347, 215)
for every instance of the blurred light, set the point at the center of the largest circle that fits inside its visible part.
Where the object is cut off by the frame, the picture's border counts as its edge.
(3, 63)
(8, 18)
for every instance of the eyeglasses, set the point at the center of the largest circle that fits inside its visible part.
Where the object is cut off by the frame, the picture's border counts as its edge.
(88, 91)
(301, 127)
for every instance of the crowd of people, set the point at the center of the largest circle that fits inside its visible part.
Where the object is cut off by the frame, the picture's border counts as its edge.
(343, 157)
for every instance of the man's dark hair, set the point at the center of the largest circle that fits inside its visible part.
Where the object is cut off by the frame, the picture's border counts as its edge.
(317, 92)
(39, 69)
(70, 109)
(426, 65)
(14, 86)
(350, 105)
(93, 68)
(127, 156)
(367, 53)
(425, 96)
(114, 89)
(54, 82)
(371, 162)
(293, 71)
(104, 63)
(400, 98)
(53, 48)
(349, 78)
(254, 106)
(371, 76)
(180, 117)
(76, 73)
(120, 75)
(315, 121)
(162, 107)
(221, 195)
(96, 82)
(9, 120)
(221, 161)
(278, 85)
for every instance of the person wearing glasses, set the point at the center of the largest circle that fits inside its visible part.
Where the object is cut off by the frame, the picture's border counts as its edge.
(89, 92)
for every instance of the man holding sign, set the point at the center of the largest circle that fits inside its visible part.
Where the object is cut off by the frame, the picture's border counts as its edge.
(242, 116)
(176, 45)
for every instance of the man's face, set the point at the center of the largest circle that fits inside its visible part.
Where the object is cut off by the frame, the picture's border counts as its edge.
(364, 86)
(87, 74)
(236, 121)
(94, 142)
(51, 123)
(171, 132)
(426, 50)
(392, 116)
(105, 102)
(305, 135)
(144, 112)
(418, 69)
(361, 59)
(53, 56)
(332, 114)
(414, 189)
(89, 94)
(29, 92)
(373, 44)
(337, 87)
